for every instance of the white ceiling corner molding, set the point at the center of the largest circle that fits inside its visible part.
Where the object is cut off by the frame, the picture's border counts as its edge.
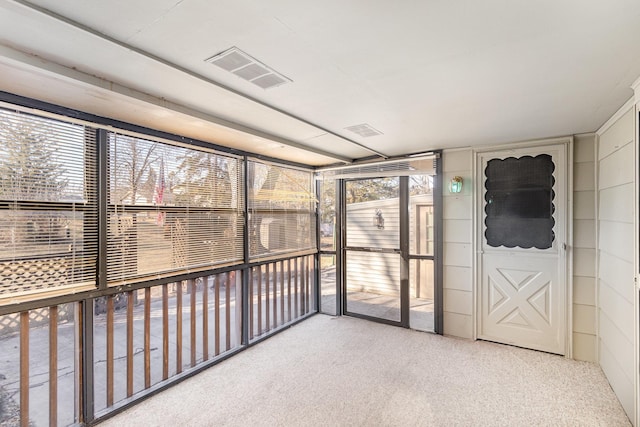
(636, 91)
(634, 100)
(618, 114)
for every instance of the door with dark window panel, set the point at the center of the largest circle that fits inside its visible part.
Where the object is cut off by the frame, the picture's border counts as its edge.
(522, 238)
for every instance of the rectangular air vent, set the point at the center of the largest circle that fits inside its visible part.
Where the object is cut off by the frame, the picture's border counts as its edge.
(364, 130)
(248, 68)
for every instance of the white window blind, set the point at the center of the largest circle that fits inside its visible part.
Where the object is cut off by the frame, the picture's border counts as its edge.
(281, 210)
(48, 204)
(171, 209)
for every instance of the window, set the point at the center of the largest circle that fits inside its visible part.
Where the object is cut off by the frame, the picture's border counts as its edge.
(171, 209)
(519, 202)
(48, 204)
(281, 210)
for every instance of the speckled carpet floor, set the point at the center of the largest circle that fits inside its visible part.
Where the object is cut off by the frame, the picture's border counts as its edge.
(344, 371)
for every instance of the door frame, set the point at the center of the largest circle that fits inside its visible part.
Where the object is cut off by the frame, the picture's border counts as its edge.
(403, 278)
(478, 202)
(437, 256)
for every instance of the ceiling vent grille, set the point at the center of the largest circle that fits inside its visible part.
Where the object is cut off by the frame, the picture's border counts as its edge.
(364, 130)
(248, 68)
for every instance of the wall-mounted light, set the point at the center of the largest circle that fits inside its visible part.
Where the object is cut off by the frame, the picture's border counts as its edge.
(378, 220)
(455, 185)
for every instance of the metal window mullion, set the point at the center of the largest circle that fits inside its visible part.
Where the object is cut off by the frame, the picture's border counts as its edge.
(438, 249)
(103, 185)
(341, 301)
(404, 251)
(244, 336)
(317, 305)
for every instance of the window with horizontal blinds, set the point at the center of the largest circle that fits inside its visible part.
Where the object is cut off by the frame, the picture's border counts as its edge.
(48, 204)
(281, 209)
(171, 209)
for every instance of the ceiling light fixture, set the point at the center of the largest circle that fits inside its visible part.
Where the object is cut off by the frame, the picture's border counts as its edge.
(248, 68)
(364, 130)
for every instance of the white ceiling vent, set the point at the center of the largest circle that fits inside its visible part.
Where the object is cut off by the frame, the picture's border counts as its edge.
(364, 130)
(248, 68)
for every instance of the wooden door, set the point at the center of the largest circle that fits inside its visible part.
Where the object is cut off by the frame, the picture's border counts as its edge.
(522, 237)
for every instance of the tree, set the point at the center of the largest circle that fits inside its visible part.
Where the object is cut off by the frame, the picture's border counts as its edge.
(206, 180)
(327, 201)
(29, 170)
(131, 159)
(420, 184)
(261, 181)
(148, 188)
(366, 190)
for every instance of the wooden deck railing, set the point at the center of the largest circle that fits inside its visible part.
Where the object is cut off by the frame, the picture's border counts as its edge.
(109, 351)
(279, 292)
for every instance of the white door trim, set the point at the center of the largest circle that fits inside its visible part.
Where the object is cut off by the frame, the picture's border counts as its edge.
(478, 237)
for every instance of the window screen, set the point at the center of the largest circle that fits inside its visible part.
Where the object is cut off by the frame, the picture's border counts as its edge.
(519, 202)
(327, 214)
(281, 210)
(171, 209)
(48, 204)
(421, 215)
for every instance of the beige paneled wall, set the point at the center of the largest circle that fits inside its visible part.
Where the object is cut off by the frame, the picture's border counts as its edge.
(584, 254)
(458, 250)
(615, 254)
(603, 251)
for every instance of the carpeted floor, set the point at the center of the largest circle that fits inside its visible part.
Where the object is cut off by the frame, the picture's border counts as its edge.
(344, 371)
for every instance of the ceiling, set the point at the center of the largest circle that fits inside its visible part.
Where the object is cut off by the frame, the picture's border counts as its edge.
(428, 74)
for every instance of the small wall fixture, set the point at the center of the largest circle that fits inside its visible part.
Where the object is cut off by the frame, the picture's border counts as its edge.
(378, 220)
(455, 185)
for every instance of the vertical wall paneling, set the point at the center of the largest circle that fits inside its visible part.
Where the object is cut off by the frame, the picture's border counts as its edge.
(615, 219)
